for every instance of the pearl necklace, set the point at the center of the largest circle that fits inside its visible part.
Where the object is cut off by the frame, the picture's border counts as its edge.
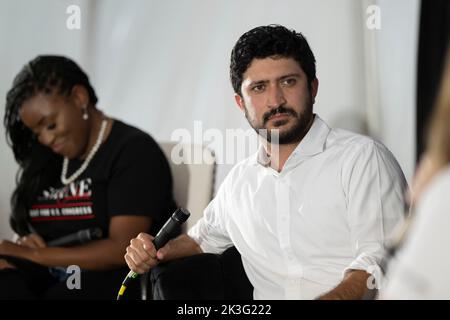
(88, 159)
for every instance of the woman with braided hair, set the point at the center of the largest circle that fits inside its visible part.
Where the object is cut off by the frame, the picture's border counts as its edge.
(79, 170)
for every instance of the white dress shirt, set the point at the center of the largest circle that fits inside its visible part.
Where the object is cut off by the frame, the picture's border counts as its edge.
(422, 268)
(330, 208)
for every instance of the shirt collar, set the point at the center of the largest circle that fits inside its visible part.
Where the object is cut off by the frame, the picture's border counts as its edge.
(312, 143)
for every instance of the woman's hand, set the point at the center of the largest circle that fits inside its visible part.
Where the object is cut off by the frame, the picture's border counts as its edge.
(32, 240)
(9, 248)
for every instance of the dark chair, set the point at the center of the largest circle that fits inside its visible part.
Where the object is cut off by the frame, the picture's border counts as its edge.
(204, 276)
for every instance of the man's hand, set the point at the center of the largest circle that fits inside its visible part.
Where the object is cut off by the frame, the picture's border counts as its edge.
(32, 240)
(353, 287)
(141, 254)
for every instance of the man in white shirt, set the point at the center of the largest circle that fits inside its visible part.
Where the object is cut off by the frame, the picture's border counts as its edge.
(308, 213)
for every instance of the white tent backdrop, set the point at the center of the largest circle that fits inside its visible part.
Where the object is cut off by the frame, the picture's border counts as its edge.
(161, 65)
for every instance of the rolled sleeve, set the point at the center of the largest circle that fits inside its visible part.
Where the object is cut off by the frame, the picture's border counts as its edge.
(369, 263)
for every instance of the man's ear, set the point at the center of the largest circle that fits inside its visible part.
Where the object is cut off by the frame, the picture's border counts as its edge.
(314, 89)
(239, 102)
(80, 96)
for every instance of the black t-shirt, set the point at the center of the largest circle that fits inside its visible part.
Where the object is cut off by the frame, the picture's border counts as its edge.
(129, 175)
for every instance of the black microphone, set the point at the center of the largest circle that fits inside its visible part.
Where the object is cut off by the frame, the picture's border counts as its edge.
(79, 237)
(170, 228)
(167, 232)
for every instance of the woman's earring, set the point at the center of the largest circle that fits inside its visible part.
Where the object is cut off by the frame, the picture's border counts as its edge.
(85, 114)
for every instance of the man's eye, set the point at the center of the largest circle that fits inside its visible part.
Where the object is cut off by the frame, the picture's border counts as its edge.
(289, 82)
(51, 126)
(258, 88)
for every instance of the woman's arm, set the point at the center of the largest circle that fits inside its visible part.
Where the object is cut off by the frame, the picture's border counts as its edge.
(96, 255)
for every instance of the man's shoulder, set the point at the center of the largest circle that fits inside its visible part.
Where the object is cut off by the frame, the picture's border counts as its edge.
(354, 143)
(345, 137)
(238, 171)
(359, 150)
(242, 166)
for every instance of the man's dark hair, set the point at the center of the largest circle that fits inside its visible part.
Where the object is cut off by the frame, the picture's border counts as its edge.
(268, 41)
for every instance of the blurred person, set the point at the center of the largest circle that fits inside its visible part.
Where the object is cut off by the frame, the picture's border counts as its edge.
(78, 169)
(310, 211)
(420, 269)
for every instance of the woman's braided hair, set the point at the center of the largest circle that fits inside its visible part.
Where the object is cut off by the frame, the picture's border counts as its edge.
(38, 165)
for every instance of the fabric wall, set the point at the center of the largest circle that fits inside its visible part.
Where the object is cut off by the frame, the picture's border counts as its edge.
(162, 65)
(396, 50)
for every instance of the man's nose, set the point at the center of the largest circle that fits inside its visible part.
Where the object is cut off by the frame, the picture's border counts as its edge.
(275, 97)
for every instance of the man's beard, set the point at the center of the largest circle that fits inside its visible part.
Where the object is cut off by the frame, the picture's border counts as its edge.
(294, 134)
